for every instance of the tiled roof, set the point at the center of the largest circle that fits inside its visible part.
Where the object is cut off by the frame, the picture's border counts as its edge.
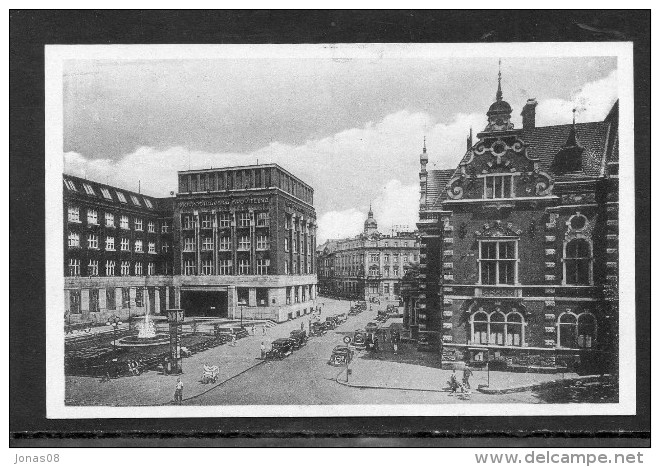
(614, 153)
(544, 143)
(435, 184)
(109, 193)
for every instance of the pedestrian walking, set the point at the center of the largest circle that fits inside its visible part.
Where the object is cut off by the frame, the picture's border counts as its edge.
(302, 326)
(263, 351)
(396, 347)
(453, 383)
(467, 372)
(178, 392)
(263, 330)
(233, 340)
(253, 330)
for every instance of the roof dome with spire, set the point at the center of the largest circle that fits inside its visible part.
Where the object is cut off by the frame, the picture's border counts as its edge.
(499, 113)
(370, 225)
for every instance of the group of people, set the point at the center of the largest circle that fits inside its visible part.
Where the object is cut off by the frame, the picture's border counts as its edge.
(464, 385)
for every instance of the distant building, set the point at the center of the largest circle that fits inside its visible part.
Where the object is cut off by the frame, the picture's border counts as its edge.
(368, 266)
(233, 242)
(519, 245)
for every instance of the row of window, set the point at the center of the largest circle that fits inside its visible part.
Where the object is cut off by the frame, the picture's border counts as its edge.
(225, 267)
(105, 192)
(125, 243)
(224, 243)
(497, 328)
(244, 219)
(112, 268)
(93, 219)
(112, 301)
(375, 258)
(498, 262)
(299, 267)
(298, 245)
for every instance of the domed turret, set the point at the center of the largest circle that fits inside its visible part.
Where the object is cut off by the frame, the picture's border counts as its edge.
(370, 225)
(499, 113)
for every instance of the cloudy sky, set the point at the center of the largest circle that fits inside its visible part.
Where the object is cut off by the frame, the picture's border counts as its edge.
(351, 128)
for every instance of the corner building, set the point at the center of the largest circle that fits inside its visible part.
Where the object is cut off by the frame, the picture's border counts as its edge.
(244, 238)
(519, 245)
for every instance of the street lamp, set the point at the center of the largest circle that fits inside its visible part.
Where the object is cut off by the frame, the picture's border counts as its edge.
(114, 322)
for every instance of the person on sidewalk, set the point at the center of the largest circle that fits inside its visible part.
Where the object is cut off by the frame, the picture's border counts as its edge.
(253, 330)
(467, 372)
(453, 383)
(178, 392)
(233, 340)
(263, 330)
(263, 351)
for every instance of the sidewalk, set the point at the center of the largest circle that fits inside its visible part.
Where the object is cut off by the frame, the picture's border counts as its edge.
(382, 374)
(153, 388)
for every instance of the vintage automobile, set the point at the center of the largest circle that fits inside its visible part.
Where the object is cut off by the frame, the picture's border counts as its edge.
(342, 317)
(299, 337)
(359, 339)
(280, 348)
(318, 329)
(354, 311)
(229, 331)
(330, 323)
(341, 355)
(336, 320)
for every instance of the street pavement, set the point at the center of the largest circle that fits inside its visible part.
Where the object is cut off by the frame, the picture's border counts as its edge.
(303, 378)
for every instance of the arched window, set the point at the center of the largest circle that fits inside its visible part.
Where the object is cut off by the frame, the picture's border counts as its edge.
(497, 328)
(514, 329)
(586, 330)
(577, 262)
(480, 328)
(567, 330)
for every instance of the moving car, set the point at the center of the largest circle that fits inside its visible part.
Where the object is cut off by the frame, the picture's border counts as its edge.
(299, 338)
(341, 355)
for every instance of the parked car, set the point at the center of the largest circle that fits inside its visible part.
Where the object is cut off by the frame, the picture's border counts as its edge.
(299, 337)
(280, 348)
(330, 323)
(359, 339)
(354, 311)
(341, 354)
(342, 317)
(318, 329)
(237, 331)
(336, 320)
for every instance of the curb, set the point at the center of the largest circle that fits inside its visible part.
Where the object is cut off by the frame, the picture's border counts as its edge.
(544, 384)
(364, 386)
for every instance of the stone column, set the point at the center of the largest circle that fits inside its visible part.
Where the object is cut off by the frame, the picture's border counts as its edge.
(157, 300)
(232, 301)
(252, 296)
(177, 297)
(167, 298)
(84, 300)
(103, 305)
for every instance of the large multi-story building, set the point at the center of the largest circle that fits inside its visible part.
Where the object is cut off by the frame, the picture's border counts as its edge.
(368, 266)
(233, 242)
(519, 244)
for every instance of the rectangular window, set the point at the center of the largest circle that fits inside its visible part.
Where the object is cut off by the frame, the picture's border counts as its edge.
(148, 203)
(106, 193)
(397, 271)
(165, 227)
(138, 246)
(262, 219)
(187, 222)
(121, 197)
(262, 266)
(110, 243)
(109, 219)
(126, 297)
(93, 242)
(286, 267)
(110, 300)
(189, 267)
(188, 244)
(151, 269)
(244, 219)
(497, 262)
(225, 267)
(375, 258)
(386, 289)
(135, 200)
(123, 222)
(138, 268)
(225, 219)
(74, 267)
(165, 247)
(125, 244)
(295, 245)
(207, 221)
(151, 227)
(109, 268)
(207, 243)
(244, 242)
(88, 189)
(74, 240)
(94, 300)
(386, 258)
(93, 267)
(286, 244)
(74, 214)
(207, 267)
(244, 266)
(498, 186)
(243, 295)
(125, 268)
(152, 248)
(225, 243)
(70, 185)
(138, 224)
(395, 257)
(92, 217)
(262, 242)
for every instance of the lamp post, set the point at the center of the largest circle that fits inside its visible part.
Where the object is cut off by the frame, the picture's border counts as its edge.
(114, 322)
(241, 317)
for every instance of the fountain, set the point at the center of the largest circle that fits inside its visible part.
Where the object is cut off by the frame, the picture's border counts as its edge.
(146, 335)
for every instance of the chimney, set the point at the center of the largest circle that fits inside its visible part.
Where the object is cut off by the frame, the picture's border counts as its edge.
(529, 114)
(469, 140)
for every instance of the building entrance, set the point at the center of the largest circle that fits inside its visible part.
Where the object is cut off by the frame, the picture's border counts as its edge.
(203, 303)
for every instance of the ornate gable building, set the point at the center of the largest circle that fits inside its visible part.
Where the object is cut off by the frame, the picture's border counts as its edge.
(519, 244)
